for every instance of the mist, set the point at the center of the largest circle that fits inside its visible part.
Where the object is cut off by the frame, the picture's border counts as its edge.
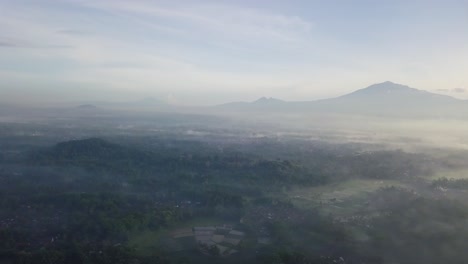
(146, 180)
(306, 132)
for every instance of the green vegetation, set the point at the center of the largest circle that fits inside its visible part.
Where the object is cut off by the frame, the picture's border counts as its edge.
(461, 184)
(297, 201)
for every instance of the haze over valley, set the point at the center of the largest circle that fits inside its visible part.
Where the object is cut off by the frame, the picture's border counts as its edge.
(271, 132)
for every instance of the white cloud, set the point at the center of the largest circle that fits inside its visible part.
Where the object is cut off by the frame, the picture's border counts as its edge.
(124, 63)
(211, 21)
(200, 49)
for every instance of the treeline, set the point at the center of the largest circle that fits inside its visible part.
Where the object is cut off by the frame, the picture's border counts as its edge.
(461, 184)
(167, 166)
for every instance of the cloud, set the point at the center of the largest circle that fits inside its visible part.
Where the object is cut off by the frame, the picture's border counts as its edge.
(73, 32)
(33, 46)
(459, 90)
(212, 21)
(201, 49)
(135, 40)
(6, 44)
(28, 32)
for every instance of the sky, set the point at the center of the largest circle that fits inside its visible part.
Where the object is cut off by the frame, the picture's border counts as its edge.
(202, 52)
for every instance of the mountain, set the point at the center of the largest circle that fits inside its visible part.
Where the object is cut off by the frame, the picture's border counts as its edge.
(269, 101)
(260, 104)
(389, 92)
(382, 99)
(391, 99)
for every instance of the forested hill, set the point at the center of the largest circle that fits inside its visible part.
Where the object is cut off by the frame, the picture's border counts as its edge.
(123, 200)
(175, 167)
(92, 150)
(168, 165)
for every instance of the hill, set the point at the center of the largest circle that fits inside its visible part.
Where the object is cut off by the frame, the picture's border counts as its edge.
(90, 153)
(166, 165)
(262, 103)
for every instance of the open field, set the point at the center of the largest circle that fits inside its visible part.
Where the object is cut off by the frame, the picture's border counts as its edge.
(172, 239)
(147, 241)
(340, 190)
(450, 174)
(329, 198)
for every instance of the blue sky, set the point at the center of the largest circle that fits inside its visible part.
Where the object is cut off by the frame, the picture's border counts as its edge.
(209, 52)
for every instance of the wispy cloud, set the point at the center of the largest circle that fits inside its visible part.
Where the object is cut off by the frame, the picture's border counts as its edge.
(7, 44)
(125, 58)
(26, 45)
(207, 47)
(73, 32)
(213, 21)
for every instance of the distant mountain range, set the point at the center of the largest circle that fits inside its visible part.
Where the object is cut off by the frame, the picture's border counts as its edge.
(386, 99)
(383, 99)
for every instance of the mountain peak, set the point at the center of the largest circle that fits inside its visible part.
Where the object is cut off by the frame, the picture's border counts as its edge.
(389, 86)
(268, 100)
(385, 88)
(389, 83)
